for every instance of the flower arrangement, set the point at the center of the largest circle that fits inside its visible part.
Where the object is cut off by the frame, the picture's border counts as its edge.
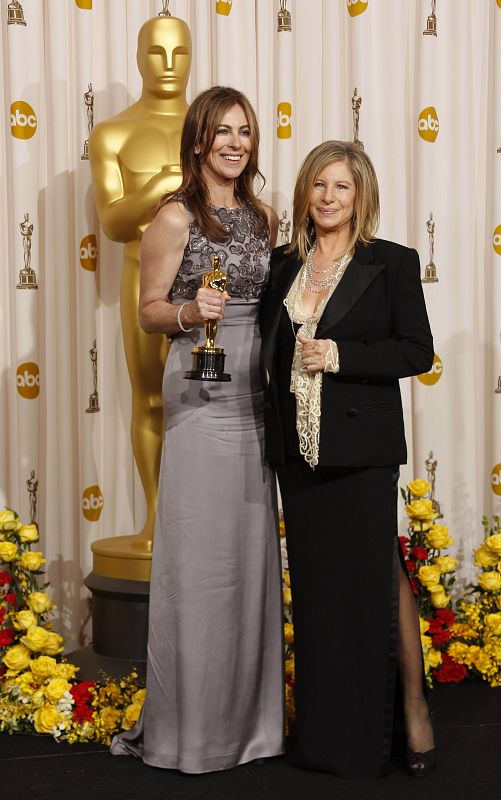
(39, 692)
(476, 635)
(432, 576)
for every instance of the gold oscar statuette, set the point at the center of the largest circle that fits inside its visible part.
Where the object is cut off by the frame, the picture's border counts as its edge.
(208, 360)
(430, 271)
(134, 160)
(284, 226)
(89, 108)
(356, 102)
(93, 406)
(27, 275)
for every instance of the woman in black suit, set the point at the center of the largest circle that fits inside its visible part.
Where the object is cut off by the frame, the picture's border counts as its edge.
(343, 318)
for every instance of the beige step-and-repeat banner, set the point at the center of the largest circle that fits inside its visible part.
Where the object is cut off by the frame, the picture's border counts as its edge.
(418, 82)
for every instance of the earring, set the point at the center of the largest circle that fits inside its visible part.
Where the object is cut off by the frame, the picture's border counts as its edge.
(197, 151)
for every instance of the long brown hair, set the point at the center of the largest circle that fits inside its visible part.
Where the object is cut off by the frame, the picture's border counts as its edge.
(365, 220)
(199, 131)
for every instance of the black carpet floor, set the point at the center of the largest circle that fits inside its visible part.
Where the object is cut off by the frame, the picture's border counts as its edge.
(468, 729)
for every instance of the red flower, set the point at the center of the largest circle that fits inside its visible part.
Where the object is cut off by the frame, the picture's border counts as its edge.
(2, 614)
(411, 566)
(82, 713)
(11, 599)
(404, 541)
(6, 637)
(5, 578)
(446, 616)
(415, 585)
(419, 553)
(3, 670)
(80, 692)
(449, 671)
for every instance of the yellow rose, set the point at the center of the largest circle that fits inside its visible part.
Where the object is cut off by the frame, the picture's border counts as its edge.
(35, 638)
(485, 557)
(65, 670)
(139, 696)
(43, 667)
(24, 620)
(53, 644)
(493, 543)
(438, 537)
(490, 581)
(421, 510)
(131, 716)
(12, 525)
(39, 602)
(55, 689)
(8, 551)
(493, 622)
(289, 666)
(423, 625)
(17, 658)
(287, 596)
(446, 563)
(439, 597)
(435, 658)
(46, 718)
(110, 718)
(288, 633)
(419, 525)
(28, 533)
(419, 487)
(6, 515)
(32, 560)
(425, 643)
(428, 575)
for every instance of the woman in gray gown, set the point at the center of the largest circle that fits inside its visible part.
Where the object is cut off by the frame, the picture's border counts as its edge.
(214, 681)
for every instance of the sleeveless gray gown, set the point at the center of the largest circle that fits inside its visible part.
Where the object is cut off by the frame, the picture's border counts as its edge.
(215, 677)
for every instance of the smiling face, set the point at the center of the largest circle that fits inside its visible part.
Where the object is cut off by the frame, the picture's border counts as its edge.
(332, 199)
(229, 153)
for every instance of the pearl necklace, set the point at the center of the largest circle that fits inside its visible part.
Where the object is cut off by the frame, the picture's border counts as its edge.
(335, 273)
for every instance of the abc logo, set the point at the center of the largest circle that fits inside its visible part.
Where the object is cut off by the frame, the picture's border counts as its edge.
(428, 124)
(88, 252)
(435, 373)
(23, 121)
(496, 240)
(28, 380)
(356, 7)
(284, 114)
(223, 7)
(92, 503)
(85, 4)
(496, 479)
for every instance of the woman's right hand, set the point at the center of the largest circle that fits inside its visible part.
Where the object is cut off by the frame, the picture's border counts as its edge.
(208, 305)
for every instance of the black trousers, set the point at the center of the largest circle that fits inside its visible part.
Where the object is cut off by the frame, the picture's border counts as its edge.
(341, 529)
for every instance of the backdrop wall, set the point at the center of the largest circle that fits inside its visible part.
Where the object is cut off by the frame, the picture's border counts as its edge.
(429, 115)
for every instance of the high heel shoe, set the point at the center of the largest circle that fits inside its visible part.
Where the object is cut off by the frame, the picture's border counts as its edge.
(420, 764)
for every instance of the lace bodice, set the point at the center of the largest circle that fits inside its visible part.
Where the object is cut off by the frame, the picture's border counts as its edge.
(244, 256)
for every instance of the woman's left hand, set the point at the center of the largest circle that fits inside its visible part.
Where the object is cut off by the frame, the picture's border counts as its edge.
(313, 353)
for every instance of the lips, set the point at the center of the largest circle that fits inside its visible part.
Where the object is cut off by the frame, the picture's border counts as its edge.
(234, 159)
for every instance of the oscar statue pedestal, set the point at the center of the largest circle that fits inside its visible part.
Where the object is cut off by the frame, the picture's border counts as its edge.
(120, 587)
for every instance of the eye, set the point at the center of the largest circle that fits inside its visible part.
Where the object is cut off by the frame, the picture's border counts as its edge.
(341, 186)
(318, 185)
(245, 132)
(222, 131)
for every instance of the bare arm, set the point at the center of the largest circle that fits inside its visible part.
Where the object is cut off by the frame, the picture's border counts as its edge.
(122, 215)
(162, 251)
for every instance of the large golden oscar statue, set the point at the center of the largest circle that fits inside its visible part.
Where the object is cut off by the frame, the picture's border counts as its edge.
(134, 159)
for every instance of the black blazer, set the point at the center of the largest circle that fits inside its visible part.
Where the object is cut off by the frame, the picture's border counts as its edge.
(377, 316)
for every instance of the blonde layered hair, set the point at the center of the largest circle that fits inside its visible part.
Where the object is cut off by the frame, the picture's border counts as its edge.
(365, 220)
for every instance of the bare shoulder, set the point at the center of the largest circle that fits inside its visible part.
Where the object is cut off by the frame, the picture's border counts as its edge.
(170, 224)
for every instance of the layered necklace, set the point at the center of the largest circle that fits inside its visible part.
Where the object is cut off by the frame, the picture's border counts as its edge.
(318, 280)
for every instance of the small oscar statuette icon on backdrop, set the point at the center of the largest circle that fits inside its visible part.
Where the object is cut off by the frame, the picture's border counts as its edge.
(284, 226)
(208, 360)
(27, 275)
(356, 102)
(89, 107)
(430, 271)
(431, 468)
(93, 407)
(15, 14)
(32, 487)
(284, 22)
(431, 21)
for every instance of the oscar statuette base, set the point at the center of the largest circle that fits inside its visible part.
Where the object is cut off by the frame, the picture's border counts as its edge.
(208, 365)
(119, 629)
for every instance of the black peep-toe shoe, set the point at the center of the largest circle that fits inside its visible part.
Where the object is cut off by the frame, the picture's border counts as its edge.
(420, 764)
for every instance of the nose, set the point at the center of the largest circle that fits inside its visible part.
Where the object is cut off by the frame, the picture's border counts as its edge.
(234, 140)
(329, 194)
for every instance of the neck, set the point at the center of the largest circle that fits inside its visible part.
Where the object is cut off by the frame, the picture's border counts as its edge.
(162, 104)
(332, 246)
(222, 194)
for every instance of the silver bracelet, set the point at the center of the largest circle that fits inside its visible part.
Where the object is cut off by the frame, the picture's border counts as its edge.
(180, 324)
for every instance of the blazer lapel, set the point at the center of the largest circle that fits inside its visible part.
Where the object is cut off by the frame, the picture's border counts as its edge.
(359, 274)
